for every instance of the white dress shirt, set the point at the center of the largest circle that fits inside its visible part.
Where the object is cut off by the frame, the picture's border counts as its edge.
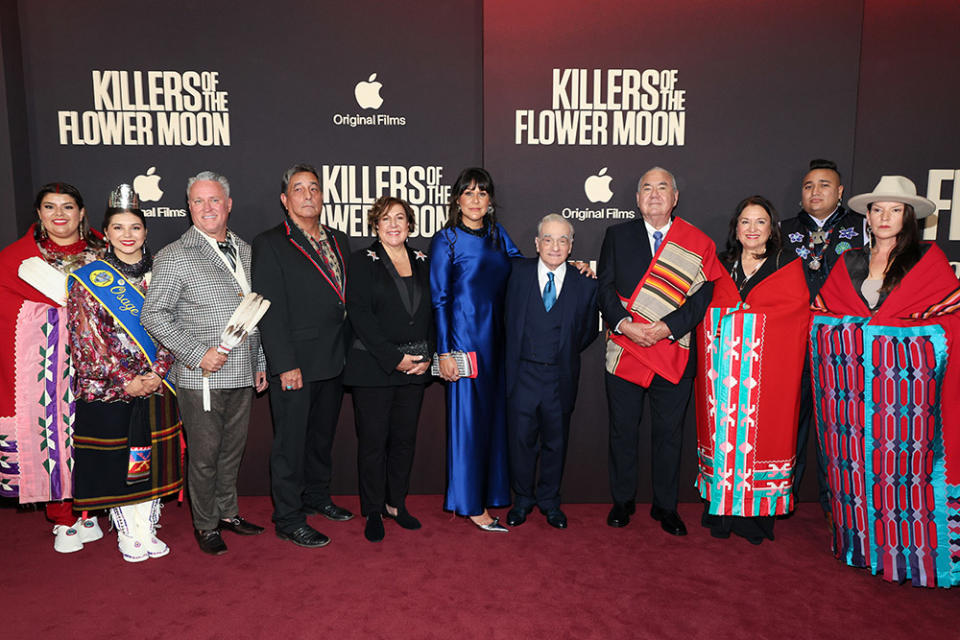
(650, 229)
(558, 275)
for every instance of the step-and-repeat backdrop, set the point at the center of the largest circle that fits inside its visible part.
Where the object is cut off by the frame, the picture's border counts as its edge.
(566, 103)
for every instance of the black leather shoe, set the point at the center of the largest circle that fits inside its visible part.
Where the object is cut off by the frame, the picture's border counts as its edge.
(556, 518)
(619, 515)
(373, 531)
(305, 536)
(517, 516)
(210, 541)
(330, 511)
(403, 518)
(241, 526)
(669, 521)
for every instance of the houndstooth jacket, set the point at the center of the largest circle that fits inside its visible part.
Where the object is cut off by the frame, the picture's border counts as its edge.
(189, 302)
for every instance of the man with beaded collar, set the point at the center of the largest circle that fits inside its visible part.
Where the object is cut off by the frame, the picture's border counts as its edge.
(818, 235)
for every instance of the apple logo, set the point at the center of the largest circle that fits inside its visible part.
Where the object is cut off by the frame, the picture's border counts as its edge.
(597, 187)
(148, 186)
(368, 93)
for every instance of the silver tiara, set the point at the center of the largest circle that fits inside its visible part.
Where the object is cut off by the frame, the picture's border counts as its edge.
(123, 197)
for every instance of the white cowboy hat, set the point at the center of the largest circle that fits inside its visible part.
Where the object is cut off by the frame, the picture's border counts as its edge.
(894, 189)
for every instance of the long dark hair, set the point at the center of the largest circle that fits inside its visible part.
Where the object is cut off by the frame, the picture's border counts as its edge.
(67, 189)
(734, 247)
(906, 251)
(483, 181)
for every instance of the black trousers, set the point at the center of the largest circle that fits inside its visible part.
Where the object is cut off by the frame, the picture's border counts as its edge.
(304, 423)
(537, 428)
(804, 423)
(386, 419)
(668, 406)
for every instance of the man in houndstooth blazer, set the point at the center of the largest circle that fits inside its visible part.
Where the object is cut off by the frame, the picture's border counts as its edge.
(198, 281)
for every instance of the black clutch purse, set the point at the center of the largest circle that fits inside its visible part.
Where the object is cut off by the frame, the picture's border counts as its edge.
(415, 348)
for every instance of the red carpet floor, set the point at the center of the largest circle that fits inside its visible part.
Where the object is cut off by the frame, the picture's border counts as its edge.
(450, 580)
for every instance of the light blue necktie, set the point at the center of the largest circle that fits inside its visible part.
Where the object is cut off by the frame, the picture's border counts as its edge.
(549, 292)
(657, 239)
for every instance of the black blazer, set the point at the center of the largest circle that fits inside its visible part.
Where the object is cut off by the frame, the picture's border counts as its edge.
(624, 258)
(578, 326)
(383, 316)
(306, 326)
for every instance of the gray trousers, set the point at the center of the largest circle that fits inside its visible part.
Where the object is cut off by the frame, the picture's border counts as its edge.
(215, 443)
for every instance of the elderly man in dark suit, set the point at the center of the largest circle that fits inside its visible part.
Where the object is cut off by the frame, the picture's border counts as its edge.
(654, 275)
(198, 282)
(300, 266)
(550, 317)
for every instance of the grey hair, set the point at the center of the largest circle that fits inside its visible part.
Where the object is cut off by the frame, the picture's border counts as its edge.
(673, 179)
(212, 177)
(295, 169)
(554, 217)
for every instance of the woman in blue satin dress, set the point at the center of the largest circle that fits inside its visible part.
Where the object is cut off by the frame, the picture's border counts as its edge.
(470, 265)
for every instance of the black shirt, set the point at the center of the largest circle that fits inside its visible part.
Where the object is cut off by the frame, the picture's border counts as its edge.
(821, 247)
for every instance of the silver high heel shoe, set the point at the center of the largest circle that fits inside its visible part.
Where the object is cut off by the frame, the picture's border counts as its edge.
(492, 526)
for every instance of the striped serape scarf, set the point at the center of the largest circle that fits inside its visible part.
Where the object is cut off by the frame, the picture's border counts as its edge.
(685, 261)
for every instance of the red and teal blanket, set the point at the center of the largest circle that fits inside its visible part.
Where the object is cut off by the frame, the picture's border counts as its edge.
(750, 358)
(888, 420)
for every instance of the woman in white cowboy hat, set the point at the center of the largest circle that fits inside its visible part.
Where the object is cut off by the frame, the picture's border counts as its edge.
(888, 414)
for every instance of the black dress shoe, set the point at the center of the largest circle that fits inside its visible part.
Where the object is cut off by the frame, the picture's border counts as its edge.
(620, 513)
(210, 541)
(330, 511)
(556, 518)
(305, 536)
(669, 521)
(403, 518)
(517, 516)
(241, 526)
(373, 531)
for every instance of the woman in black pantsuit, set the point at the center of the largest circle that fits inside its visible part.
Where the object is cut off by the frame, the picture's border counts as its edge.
(388, 365)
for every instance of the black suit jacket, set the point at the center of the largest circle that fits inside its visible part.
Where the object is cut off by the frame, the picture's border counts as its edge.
(624, 259)
(306, 325)
(578, 327)
(383, 316)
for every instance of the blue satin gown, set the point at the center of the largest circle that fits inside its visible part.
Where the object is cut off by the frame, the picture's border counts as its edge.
(468, 280)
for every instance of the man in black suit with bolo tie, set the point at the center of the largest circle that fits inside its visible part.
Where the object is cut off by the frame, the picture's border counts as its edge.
(654, 287)
(300, 266)
(550, 317)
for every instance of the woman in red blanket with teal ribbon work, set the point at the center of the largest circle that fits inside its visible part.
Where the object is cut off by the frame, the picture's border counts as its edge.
(883, 344)
(127, 440)
(752, 343)
(36, 398)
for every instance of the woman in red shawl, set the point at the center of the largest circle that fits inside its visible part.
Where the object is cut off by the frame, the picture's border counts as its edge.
(888, 413)
(750, 357)
(36, 399)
